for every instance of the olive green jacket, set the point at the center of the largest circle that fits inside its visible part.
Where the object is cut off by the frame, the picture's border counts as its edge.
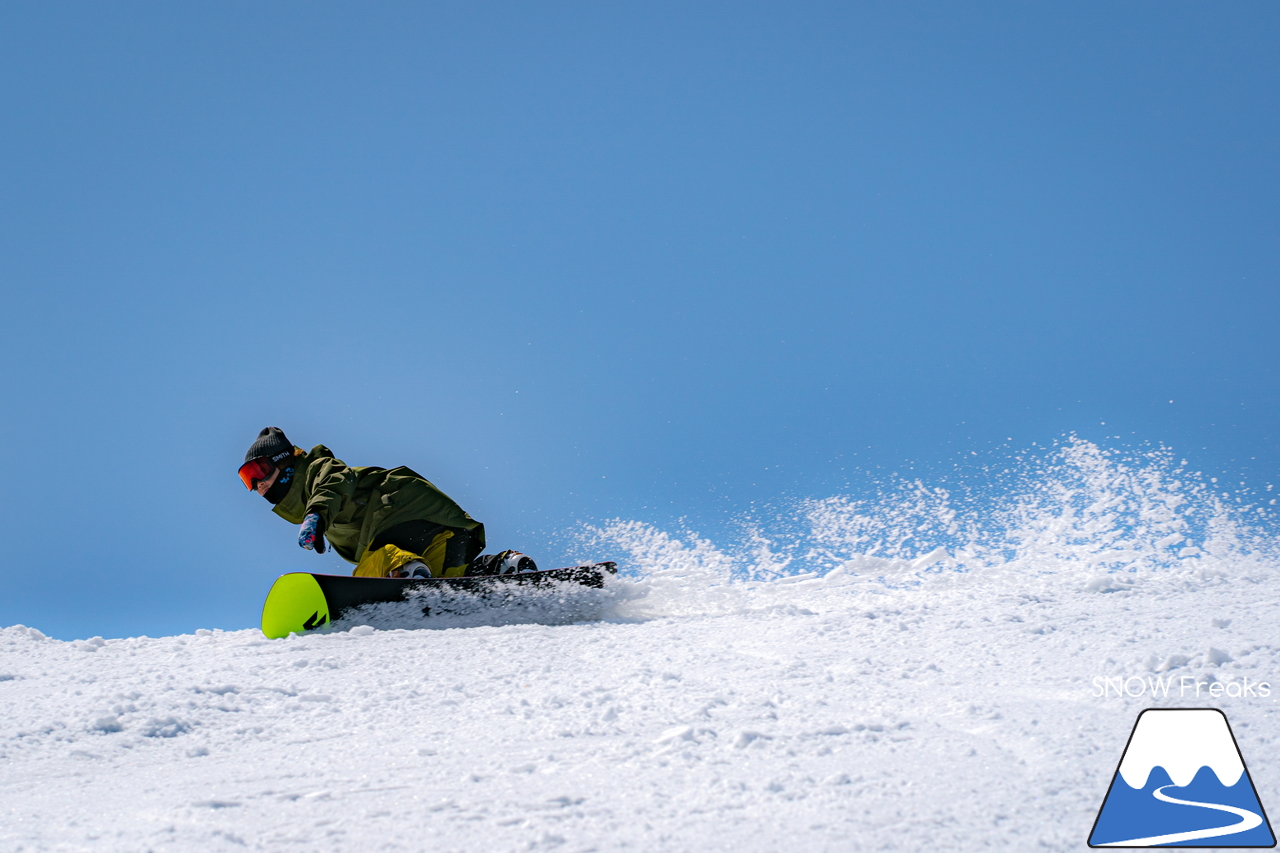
(357, 504)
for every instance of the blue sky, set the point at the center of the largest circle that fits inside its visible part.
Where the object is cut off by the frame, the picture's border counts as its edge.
(581, 261)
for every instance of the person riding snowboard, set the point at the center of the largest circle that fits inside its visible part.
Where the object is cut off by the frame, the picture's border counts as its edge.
(388, 522)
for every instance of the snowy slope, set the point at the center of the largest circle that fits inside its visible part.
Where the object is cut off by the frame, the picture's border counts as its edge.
(948, 701)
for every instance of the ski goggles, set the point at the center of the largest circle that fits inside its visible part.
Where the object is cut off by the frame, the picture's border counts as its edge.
(257, 468)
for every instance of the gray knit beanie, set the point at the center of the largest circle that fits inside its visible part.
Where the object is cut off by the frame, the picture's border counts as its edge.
(272, 444)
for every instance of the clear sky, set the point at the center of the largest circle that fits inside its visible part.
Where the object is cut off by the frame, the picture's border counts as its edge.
(577, 261)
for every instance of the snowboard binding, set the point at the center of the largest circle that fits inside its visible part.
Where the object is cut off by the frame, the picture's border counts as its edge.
(504, 563)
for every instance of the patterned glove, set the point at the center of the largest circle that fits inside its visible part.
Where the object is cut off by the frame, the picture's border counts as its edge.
(311, 534)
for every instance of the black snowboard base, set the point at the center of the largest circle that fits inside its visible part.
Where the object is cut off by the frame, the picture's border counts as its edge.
(301, 601)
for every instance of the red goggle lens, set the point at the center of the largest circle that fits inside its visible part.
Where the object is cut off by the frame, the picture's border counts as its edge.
(258, 468)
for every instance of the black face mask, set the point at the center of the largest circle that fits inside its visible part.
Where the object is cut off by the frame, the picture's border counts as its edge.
(280, 487)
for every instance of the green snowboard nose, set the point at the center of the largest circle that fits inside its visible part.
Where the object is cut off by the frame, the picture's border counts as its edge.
(295, 604)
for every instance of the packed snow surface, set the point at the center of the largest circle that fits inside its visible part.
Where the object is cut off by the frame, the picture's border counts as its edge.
(921, 670)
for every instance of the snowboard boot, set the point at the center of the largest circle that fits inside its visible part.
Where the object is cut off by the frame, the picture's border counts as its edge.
(505, 563)
(416, 569)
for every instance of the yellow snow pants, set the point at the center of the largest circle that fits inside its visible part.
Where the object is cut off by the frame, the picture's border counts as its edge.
(382, 562)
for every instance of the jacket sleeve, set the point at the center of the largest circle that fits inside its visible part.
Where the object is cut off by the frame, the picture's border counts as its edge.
(330, 484)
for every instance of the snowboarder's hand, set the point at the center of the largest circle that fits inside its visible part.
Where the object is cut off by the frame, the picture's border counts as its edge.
(311, 534)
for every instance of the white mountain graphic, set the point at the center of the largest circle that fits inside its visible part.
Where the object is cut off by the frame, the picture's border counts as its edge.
(1181, 742)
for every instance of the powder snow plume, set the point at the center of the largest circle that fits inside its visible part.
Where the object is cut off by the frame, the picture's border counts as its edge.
(1076, 515)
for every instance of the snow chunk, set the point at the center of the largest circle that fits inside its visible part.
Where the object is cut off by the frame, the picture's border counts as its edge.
(1173, 662)
(21, 632)
(745, 738)
(1108, 583)
(165, 727)
(674, 734)
(107, 725)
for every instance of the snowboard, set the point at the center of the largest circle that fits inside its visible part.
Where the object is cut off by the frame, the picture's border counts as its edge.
(301, 601)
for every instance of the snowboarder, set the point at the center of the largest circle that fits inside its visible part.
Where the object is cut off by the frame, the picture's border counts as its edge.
(388, 522)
